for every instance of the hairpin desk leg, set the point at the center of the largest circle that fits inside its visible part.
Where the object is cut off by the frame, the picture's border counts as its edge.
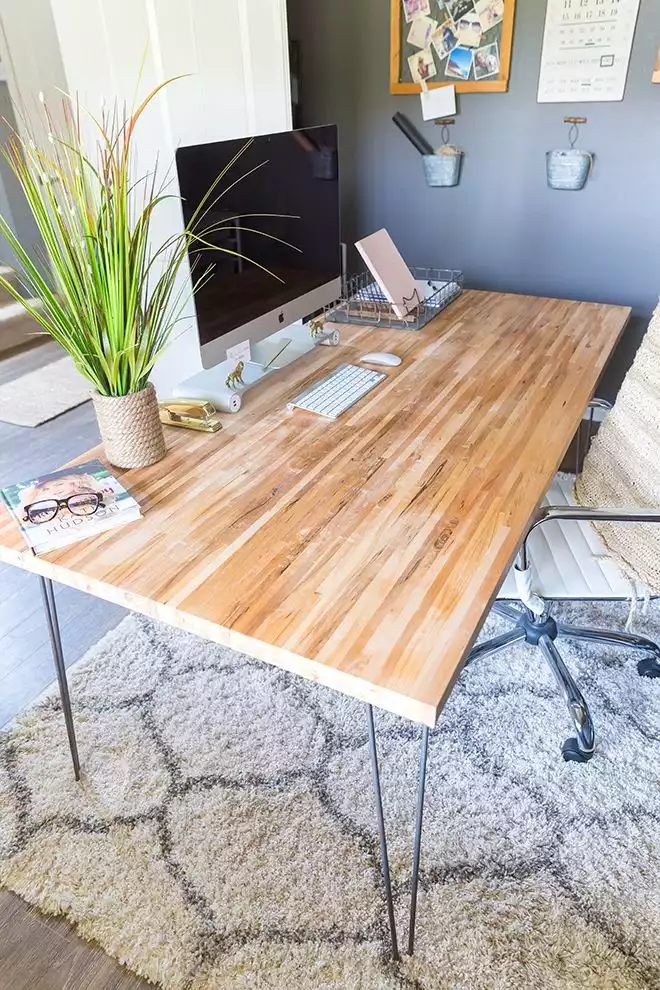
(384, 862)
(418, 838)
(58, 656)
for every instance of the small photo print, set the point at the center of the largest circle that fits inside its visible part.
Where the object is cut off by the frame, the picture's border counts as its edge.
(457, 8)
(490, 12)
(422, 65)
(459, 63)
(444, 39)
(656, 69)
(421, 31)
(468, 30)
(487, 61)
(416, 8)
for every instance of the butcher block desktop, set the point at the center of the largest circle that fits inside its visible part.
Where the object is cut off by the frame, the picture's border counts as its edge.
(362, 553)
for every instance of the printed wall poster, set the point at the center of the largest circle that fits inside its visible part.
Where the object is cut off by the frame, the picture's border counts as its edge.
(586, 50)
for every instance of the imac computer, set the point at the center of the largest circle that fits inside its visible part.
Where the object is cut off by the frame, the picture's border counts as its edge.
(276, 214)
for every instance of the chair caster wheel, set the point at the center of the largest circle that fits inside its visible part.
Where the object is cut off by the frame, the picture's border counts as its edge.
(648, 667)
(572, 752)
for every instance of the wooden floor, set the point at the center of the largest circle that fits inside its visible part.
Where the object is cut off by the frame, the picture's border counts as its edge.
(38, 953)
(26, 665)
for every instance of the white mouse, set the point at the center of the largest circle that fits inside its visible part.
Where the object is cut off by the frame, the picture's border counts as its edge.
(381, 357)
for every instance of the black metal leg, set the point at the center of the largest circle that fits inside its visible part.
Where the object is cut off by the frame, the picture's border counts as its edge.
(58, 656)
(384, 862)
(418, 838)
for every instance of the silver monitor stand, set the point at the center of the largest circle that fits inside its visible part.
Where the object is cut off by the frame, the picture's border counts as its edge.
(267, 356)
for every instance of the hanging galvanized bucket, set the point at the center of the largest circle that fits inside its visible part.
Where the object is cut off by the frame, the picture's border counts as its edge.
(568, 169)
(444, 169)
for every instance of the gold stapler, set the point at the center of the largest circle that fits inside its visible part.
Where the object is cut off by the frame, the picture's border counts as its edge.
(190, 414)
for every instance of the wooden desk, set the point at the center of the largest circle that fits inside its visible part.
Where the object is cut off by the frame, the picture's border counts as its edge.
(361, 553)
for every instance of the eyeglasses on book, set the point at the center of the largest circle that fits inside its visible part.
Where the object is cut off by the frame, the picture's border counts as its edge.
(80, 504)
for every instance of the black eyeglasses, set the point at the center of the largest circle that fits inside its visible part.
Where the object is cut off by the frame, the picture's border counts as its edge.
(81, 504)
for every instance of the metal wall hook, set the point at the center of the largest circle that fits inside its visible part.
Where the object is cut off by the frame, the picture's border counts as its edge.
(445, 124)
(574, 130)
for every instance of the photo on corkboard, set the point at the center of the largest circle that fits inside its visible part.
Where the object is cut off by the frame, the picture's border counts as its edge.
(486, 61)
(468, 30)
(459, 63)
(421, 31)
(416, 8)
(489, 12)
(458, 8)
(444, 39)
(422, 65)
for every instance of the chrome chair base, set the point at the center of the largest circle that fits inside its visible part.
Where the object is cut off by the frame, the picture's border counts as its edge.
(542, 631)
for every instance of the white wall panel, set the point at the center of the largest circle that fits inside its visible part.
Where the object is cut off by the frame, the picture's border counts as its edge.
(221, 62)
(267, 47)
(86, 58)
(32, 62)
(236, 55)
(173, 40)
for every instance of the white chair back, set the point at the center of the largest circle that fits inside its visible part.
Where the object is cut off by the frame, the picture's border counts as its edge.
(622, 468)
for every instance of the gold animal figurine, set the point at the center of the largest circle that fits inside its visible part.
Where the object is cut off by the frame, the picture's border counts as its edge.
(316, 327)
(235, 378)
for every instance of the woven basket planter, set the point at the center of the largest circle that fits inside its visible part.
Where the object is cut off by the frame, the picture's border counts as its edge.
(131, 429)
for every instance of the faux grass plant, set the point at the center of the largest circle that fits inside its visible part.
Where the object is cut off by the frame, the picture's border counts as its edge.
(107, 294)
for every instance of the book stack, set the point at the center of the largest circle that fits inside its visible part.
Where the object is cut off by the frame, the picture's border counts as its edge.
(66, 506)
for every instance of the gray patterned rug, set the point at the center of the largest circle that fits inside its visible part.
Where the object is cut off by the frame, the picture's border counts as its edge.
(223, 835)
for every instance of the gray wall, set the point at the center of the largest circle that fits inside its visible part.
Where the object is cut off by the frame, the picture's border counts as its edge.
(502, 226)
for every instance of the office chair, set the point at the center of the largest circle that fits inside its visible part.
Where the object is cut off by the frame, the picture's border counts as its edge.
(563, 558)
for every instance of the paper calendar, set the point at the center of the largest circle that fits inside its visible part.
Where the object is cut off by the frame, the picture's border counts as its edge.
(586, 50)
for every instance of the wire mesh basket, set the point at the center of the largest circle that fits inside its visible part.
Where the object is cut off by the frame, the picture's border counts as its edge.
(363, 301)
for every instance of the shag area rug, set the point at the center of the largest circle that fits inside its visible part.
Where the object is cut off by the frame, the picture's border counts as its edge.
(224, 835)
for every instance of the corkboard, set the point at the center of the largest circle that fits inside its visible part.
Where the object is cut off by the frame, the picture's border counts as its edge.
(500, 34)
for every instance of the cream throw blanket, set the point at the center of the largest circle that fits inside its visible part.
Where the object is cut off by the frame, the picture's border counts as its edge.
(622, 467)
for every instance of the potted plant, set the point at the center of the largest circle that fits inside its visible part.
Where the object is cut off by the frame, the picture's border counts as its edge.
(106, 292)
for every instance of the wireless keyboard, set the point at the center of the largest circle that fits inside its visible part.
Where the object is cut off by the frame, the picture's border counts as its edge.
(338, 391)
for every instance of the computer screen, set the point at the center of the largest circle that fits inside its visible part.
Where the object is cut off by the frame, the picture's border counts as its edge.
(277, 215)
